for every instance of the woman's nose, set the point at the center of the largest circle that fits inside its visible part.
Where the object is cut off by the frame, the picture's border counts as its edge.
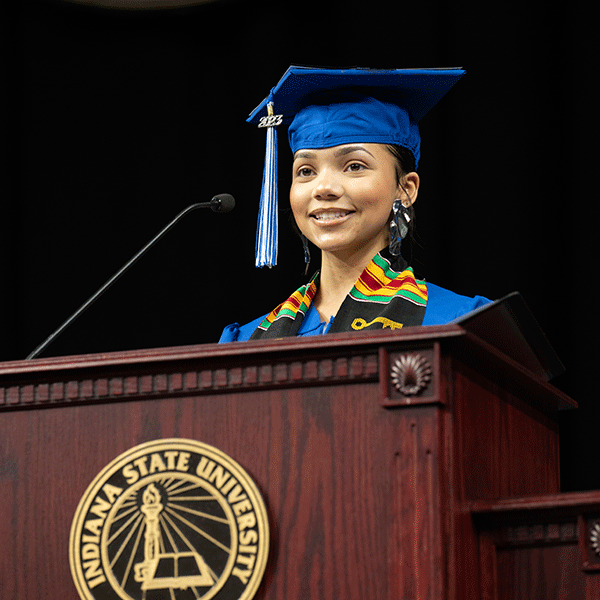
(327, 186)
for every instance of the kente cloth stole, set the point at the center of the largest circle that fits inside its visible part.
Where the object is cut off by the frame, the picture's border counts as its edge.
(386, 295)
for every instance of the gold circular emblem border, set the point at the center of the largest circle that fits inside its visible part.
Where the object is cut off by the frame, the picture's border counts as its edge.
(262, 521)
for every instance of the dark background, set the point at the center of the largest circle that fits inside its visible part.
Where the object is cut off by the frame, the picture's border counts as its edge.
(119, 119)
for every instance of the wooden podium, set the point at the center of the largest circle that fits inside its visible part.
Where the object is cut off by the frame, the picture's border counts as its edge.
(393, 465)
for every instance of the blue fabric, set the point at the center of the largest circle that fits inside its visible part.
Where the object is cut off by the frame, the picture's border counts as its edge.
(417, 90)
(443, 306)
(329, 107)
(352, 118)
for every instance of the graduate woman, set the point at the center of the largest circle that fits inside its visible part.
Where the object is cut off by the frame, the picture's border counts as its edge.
(356, 147)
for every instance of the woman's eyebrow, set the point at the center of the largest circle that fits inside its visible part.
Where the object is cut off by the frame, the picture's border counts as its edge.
(304, 154)
(340, 152)
(349, 149)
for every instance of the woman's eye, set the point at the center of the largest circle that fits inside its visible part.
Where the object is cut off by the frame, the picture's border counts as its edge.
(355, 167)
(304, 172)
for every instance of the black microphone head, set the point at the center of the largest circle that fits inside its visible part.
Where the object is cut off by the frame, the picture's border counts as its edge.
(222, 203)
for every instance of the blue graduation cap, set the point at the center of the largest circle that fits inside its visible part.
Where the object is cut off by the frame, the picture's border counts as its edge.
(330, 107)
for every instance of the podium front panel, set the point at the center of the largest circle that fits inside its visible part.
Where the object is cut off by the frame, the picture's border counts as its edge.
(367, 489)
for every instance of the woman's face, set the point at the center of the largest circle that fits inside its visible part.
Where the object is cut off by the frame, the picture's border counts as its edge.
(342, 197)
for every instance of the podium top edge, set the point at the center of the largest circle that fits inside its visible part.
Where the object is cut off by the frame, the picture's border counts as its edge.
(332, 341)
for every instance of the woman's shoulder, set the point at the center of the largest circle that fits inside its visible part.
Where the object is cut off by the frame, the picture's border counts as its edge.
(240, 333)
(444, 306)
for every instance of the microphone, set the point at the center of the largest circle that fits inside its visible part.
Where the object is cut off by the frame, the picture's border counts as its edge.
(221, 203)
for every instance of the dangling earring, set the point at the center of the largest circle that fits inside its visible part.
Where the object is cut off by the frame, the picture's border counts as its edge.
(306, 252)
(398, 226)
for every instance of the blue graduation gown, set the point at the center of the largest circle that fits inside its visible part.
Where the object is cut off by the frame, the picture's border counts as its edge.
(443, 306)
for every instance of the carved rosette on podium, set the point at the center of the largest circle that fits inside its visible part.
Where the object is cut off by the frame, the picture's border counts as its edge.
(173, 519)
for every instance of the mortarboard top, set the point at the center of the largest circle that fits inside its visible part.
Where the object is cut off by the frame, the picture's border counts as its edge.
(330, 107)
(416, 90)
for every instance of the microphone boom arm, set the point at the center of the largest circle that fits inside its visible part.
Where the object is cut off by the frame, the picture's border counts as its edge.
(216, 204)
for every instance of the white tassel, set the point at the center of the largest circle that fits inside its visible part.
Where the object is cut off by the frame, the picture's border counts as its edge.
(266, 232)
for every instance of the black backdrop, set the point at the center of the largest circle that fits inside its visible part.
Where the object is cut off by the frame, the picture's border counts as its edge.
(119, 119)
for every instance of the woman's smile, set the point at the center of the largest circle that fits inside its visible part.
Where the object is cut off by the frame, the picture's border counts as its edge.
(331, 216)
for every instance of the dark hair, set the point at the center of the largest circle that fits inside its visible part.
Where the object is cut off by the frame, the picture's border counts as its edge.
(405, 159)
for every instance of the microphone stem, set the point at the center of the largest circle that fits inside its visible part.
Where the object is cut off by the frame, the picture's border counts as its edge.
(114, 278)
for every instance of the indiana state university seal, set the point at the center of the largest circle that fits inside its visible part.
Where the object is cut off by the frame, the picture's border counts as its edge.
(170, 519)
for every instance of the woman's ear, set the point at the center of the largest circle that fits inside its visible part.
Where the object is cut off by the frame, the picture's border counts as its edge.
(408, 190)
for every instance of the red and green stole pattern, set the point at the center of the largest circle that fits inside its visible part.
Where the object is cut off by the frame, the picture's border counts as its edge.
(386, 295)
